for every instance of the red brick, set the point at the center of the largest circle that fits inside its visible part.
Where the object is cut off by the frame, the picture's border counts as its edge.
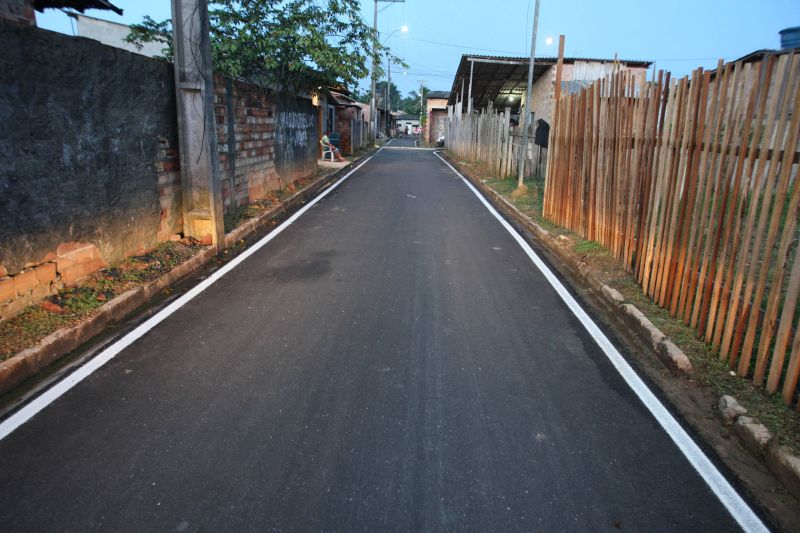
(66, 261)
(46, 273)
(40, 291)
(68, 247)
(25, 281)
(71, 275)
(49, 256)
(89, 253)
(7, 291)
(15, 306)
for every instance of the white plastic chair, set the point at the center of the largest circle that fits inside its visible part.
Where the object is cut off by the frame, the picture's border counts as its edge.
(326, 150)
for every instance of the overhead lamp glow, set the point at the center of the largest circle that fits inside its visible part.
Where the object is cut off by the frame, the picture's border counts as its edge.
(548, 41)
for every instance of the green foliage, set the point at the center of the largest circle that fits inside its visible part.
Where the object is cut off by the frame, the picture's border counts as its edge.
(299, 43)
(380, 89)
(151, 31)
(411, 103)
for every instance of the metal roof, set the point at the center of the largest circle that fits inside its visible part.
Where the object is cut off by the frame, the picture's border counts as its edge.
(503, 79)
(79, 5)
(438, 94)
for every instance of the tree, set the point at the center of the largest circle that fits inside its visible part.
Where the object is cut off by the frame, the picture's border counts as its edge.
(411, 103)
(380, 89)
(300, 43)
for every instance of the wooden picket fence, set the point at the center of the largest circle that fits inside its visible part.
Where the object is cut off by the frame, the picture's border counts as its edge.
(488, 137)
(692, 185)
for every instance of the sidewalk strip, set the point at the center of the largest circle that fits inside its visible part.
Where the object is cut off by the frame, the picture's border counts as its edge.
(56, 391)
(734, 503)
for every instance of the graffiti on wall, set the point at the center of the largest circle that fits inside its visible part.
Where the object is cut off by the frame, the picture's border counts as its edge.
(295, 137)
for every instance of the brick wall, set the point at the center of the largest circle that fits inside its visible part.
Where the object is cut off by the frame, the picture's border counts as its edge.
(246, 134)
(345, 121)
(18, 12)
(168, 170)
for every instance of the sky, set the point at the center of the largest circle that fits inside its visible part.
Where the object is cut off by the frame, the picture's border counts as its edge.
(679, 35)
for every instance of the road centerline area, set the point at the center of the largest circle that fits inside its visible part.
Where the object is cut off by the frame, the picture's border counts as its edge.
(387, 359)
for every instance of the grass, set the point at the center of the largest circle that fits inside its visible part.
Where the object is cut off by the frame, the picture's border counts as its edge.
(73, 305)
(713, 373)
(236, 215)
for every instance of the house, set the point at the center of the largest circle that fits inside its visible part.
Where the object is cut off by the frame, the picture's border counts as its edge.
(436, 115)
(407, 121)
(502, 81)
(349, 124)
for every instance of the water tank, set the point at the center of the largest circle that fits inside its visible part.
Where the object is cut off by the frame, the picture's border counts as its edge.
(790, 38)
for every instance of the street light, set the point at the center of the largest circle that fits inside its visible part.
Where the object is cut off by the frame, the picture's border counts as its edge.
(403, 29)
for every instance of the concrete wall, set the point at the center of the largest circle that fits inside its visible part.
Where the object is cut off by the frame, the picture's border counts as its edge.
(113, 34)
(89, 166)
(573, 77)
(79, 149)
(436, 108)
(296, 138)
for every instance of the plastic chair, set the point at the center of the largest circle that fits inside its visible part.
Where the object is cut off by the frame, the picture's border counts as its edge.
(326, 150)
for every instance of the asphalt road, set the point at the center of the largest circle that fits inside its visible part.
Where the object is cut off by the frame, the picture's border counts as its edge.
(391, 361)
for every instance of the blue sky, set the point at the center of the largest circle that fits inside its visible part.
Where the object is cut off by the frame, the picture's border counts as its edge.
(679, 35)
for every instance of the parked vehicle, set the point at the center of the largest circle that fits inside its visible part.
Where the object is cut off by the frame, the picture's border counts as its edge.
(440, 141)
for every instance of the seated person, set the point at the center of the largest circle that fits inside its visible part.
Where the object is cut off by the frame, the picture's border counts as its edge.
(327, 143)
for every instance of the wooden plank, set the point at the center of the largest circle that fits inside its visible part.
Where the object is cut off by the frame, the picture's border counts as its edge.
(785, 328)
(732, 218)
(751, 285)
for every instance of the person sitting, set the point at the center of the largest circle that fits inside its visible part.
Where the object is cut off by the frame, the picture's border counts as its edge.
(326, 142)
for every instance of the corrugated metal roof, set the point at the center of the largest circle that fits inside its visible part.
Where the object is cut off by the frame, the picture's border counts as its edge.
(79, 5)
(503, 79)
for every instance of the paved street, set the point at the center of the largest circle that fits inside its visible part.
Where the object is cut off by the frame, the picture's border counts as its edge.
(391, 361)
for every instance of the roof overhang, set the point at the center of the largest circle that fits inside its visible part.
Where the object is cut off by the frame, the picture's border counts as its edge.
(79, 5)
(503, 80)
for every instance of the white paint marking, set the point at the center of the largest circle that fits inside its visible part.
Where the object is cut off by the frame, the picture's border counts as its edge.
(410, 148)
(56, 391)
(734, 503)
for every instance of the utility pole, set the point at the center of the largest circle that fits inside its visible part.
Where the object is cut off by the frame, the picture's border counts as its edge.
(373, 109)
(388, 95)
(201, 188)
(421, 103)
(527, 119)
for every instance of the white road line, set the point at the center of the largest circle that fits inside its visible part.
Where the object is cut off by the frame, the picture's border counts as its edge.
(409, 148)
(56, 391)
(734, 503)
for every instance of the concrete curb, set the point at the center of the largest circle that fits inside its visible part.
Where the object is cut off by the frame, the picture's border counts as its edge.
(33, 360)
(666, 350)
(760, 442)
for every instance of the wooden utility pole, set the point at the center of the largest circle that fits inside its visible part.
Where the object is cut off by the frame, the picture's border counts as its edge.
(422, 107)
(201, 188)
(527, 118)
